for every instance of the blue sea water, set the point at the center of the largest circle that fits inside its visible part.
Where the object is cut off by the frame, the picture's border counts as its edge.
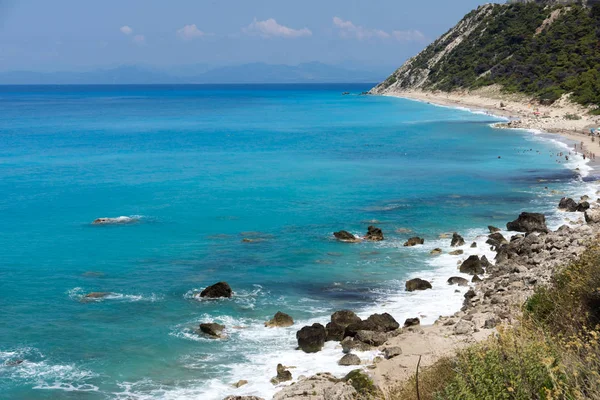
(199, 169)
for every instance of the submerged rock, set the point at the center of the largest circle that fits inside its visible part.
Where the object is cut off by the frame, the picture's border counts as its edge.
(417, 284)
(311, 339)
(374, 234)
(113, 221)
(220, 289)
(345, 236)
(413, 241)
(457, 240)
(97, 295)
(528, 223)
(436, 251)
(457, 280)
(280, 320)
(472, 266)
(212, 329)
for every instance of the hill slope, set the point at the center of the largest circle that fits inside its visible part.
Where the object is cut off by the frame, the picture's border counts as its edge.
(544, 50)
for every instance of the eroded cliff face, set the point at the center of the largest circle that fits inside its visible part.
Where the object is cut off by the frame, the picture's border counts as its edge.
(414, 74)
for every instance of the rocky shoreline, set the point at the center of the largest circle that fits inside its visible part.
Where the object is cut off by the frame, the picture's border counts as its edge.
(499, 287)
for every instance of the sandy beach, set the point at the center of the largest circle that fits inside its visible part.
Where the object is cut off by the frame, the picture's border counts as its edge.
(558, 118)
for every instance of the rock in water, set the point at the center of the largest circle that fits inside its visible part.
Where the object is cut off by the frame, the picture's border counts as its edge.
(457, 252)
(528, 222)
(456, 280)
(212, 329)
(311, 339)
(349, 359)
(376, 323)
(583, 206)
(493, 229)
(472, 266)
(335, 332)
(457, 240)
(240, 383)
(417, 284)
(436, 251)
(473, 245)
(496, 240)
(220, 289)
(374, 234)
(567, 204)
(283, 375)
(413, 241)
(280, 320)
(345, 236)
(97, 295)
(345, 317)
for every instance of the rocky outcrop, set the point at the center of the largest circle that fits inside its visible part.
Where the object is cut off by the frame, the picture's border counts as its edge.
(417, 284)
(311, 339)
(592, 216)
(283, 375)
(472, 266)
(528, 223)
(413, 241)
(280, 320)
(456, 280)
(496, 240)
(220, 289)
(374, 234)
(318, 387)
(212, 329)
(457, 240)
(345, 236)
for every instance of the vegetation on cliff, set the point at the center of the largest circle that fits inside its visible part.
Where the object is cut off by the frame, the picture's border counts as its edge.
(530, 48)
(552, 353)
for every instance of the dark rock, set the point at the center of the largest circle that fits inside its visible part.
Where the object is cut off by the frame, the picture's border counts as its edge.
(220, 289)
(376, 323)
(457, 240)
(371, 338)
(484, 262)
(391, 352)
(490, 323)
(345, 317)
(311, 338)
(528, 222)
(411, 322)
(457, 252)
(212, 329)
(283, 375)
(516, 237)
(457, 280)
(280, 320)
(493, 229)
(349, 359)
(472, 266)
(335, 332)
(567, 204)
(349, 344)
(374, 234)
(413, 241)
(473, 245)
(470, 294)
(417, 284)
(436, 251)
(496, 240)
(345, 236)
(583, 206)
(476, 279)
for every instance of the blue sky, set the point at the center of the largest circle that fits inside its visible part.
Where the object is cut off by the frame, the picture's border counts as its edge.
(50, 35)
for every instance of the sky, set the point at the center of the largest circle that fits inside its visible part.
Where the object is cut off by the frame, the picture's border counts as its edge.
(59, 35)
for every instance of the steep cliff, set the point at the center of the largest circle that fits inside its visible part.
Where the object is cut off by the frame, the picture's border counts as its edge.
(542, 48)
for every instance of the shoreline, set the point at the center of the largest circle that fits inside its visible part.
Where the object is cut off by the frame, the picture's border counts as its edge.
(443, 338)
(523, 114)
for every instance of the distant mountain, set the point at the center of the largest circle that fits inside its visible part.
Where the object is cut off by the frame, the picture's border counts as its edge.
(248, 73)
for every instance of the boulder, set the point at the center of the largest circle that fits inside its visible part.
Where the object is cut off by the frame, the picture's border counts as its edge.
(212, 329)
(463, 327)
(457, 240)
(493, 229)
(376, 323)
(220, 289)
(436, 251)
(411, 322)
(371, 338)
(496, 240)
(322, 386)
(391, 352)
(345, 317)
(335, 332)
(490, 323)
(349, 359)
(349, 344)
(345, 236)
(473, 245)
(374, 234)
(283, 375)
(311, 338)
(413, 241)
(457, 280)
(472, 266)
(457, 252)
(583, 206)
(567, 204)
(592, 216)
(476, 279)
(528, 222)
(280, 320)
(240, 383)
(417, 284)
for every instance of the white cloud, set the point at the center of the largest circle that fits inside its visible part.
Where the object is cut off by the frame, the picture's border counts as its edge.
(190, 32)
(270, 28)
(126, 30)
(348, 30)
(139, 39)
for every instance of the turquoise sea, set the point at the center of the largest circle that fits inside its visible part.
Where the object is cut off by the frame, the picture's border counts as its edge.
(200, 168)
